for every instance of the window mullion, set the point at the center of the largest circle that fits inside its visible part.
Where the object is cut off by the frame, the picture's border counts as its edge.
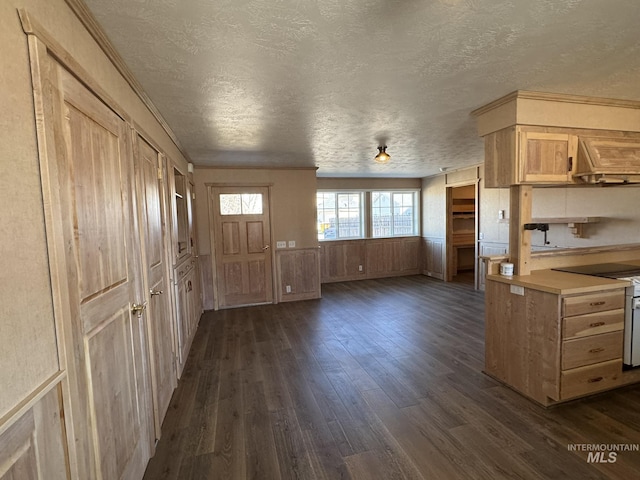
(368, 216)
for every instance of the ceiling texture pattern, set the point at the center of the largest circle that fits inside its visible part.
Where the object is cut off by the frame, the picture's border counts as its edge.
(303, 83)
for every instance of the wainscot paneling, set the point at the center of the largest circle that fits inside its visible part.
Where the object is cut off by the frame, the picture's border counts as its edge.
(346, 260)
(487, 249)
(298, 274)
(32, 438)
(342, 260)
(433, 257)
(206, 273)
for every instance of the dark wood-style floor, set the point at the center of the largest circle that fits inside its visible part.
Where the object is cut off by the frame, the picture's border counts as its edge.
(379, 379)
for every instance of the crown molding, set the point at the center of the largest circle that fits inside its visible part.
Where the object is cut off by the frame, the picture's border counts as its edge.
(82, 12)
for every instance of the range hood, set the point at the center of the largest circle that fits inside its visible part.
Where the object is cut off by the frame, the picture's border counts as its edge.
(608, 160)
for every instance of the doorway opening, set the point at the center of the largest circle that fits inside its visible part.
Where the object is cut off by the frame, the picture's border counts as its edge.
(462, 228)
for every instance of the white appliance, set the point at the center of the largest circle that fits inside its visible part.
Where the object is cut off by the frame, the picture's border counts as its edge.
(632, 323)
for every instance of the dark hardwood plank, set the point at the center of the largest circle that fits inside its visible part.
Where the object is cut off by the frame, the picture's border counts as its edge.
(378, 379)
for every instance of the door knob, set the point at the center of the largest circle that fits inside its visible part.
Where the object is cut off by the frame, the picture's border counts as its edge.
(266, 247)
(137, 308)
(155, 292)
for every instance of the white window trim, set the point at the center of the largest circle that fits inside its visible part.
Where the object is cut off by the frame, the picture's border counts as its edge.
(366, 211)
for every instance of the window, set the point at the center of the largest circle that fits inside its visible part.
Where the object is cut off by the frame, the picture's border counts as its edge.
(394, 214)
(240, 204)
(339, 215)
(362, 214)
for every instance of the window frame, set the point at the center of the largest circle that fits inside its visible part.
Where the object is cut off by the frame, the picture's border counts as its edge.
(366, 212)
(415, 220)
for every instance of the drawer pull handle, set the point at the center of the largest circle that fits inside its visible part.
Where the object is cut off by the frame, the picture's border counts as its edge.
(596, 304)
(596, 324)
(596, 350)
(596, 379)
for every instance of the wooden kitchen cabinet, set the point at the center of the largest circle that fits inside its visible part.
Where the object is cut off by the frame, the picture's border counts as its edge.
(546, 157)
(187, 310)
(530, 155)
(592, 361)
(553, 347)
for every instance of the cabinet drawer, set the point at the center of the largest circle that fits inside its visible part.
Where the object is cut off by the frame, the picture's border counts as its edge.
(593, 324)
(597, 302)
(182, 270)
(593, 349)
(590, 379)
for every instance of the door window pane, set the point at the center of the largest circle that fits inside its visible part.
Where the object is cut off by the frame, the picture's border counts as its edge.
(240, 204)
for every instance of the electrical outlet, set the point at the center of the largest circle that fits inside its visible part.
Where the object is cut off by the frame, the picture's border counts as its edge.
(517, 289)
(287, 289)
(281, 244)
(481, 236)
(292, 243)
(359, 268)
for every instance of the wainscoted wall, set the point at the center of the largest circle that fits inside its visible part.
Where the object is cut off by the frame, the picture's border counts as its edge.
(35, 439)
(206, 278)
(346, 260)
(486, 249)
(299, 270)
(433, 255)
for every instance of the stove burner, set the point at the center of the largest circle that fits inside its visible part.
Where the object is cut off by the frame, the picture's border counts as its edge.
(608, 270)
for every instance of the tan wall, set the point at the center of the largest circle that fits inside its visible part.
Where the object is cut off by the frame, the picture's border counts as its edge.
(367, 183)
(293, 201)
(434, 207)
(616, 205)
(28, 352)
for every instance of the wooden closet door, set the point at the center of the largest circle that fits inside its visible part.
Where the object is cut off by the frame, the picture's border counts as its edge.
(153, 232)
(101, 281)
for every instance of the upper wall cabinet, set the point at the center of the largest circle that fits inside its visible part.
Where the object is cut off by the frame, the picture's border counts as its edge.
(533, 138)
(529, 155)
(181, 215)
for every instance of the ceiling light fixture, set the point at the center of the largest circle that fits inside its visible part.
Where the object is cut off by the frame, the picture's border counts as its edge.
(382, 156)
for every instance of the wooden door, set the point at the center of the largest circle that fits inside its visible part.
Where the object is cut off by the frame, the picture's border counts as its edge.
(96, 277)
(241, 241)
(153, 239)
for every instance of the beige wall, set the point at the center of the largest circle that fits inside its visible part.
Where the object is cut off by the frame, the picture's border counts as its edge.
(367, 183)
(293, 201)
(434, 206)
(618, 207)
(28, 353)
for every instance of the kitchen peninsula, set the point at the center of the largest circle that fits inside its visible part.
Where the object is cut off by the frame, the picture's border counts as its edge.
(555, 336)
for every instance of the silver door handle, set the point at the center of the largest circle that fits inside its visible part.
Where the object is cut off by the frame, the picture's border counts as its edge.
(155, 292)
(266, 247)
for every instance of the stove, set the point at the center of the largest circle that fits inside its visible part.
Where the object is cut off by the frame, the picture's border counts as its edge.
(631, 273)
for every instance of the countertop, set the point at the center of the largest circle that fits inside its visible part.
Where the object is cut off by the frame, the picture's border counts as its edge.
(561, 283)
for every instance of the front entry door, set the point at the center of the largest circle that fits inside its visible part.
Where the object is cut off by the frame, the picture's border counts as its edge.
(241, 241)
(88, 193)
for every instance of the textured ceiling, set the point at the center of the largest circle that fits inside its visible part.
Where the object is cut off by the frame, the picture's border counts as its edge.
(302, 83)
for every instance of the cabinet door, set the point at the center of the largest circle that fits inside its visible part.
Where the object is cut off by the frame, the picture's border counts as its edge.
(547, 157)
(182, 323)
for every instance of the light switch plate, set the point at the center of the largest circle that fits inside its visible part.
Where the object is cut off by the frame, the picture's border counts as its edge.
(517, 289)
(281, 244)
(292, 243)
